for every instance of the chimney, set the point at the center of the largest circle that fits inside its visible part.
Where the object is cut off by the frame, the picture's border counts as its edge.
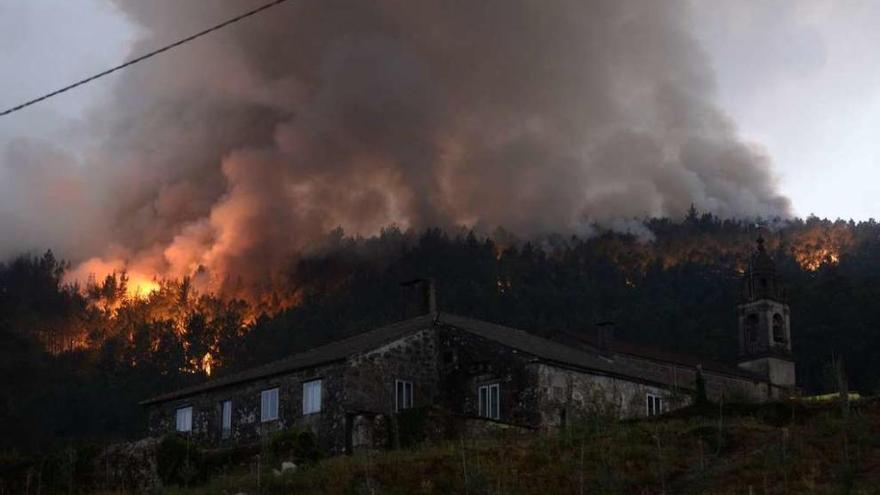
(428, 294)
(605, 337)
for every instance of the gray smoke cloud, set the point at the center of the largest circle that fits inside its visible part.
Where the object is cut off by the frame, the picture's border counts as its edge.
(232, 155)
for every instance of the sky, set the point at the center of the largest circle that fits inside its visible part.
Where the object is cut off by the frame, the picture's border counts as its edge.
(802, 79)
(799, 80)
(45, 44)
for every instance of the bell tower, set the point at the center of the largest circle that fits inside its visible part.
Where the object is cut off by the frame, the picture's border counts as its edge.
(764, 322)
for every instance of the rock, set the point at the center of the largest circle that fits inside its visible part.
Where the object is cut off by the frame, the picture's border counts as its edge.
(285, 467)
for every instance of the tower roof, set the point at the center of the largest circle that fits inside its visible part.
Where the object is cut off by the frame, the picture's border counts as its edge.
(761, 280)
(761, 262)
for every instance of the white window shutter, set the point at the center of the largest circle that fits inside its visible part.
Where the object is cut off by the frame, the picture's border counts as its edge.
(403, 395)
(183, 419)
(311, 397)
(225, 418)
(269, 405)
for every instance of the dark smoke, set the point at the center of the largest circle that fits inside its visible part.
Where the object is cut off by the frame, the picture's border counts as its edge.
(239, 151)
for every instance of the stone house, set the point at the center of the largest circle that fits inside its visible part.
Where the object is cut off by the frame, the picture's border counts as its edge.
(476, 369)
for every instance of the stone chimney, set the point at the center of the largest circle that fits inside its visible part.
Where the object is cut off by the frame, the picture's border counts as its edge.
(605, 337)
(427, 293)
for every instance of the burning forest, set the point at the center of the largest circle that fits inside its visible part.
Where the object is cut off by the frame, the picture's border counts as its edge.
(147, 313)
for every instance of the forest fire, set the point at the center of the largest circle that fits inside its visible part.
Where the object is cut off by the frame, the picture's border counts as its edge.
(816, 259)
(133, 282)
(136, 302)
(821, 245)
(140, 286)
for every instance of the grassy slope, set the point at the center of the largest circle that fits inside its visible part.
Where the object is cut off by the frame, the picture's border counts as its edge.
(772, 449)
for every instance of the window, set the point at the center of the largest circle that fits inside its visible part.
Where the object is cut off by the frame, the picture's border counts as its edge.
(225, 419)
(185, 419)
(489, 397)
(752, 328)
(312, 397)
(403, 395)
(654, 405)
(778, 328)
(269, 405)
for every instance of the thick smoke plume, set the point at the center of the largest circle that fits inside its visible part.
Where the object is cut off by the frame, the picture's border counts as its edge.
(231, 156)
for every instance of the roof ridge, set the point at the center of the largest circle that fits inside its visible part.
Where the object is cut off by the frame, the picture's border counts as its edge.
(356, 335)
(593, 353)
(257, 371)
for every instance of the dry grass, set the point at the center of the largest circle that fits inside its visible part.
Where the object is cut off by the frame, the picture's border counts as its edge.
(812, 450)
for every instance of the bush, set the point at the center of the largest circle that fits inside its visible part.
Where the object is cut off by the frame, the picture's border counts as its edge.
(297, 445)
(412, 426)
(179, 461)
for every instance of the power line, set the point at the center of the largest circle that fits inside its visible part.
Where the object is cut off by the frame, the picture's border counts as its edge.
(143, 57)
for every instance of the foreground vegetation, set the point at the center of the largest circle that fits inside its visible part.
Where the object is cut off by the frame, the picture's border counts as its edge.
(778, 448)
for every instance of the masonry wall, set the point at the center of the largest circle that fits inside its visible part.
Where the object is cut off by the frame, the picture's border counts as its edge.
(370, 386)
(566, 395)
(328, 424)
(354, 392)
(467, 361)
(370, 377)
(446, 367)
(733, 388)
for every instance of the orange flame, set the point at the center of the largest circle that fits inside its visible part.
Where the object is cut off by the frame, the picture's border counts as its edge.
(207, 363)
(821, 244)
(140, 287)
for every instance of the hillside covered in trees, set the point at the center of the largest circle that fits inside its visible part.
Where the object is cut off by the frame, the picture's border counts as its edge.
(77, 360)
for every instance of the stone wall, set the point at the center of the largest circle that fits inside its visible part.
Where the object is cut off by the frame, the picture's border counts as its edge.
(370, 377)
(734, 388)
(566, 395)
(362, 383)
(467, 361)
(446, 366)
(328, 424)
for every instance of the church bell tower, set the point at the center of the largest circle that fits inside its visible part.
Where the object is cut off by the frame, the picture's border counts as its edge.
(764, 322)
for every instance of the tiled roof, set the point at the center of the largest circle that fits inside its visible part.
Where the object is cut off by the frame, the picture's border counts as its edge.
(588, 356)
(532, 344)
(328, 353)
(666, 356)
(579, 356)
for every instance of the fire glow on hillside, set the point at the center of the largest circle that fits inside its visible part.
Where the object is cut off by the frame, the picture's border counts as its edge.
(152, 310)
(816, 247)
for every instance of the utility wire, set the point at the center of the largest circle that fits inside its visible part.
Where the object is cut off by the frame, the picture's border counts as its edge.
(142, 57)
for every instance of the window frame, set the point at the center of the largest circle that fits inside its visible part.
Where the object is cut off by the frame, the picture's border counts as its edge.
(400, 391)
(777, 324)
(226, 413)
(753, 321)
(654, 404)
(177, 419)
(489, 401)
(307, 399)
(267, 413)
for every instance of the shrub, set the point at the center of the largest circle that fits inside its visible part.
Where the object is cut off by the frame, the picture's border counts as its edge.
(412, 426)
(295, 444)
(179, 461)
